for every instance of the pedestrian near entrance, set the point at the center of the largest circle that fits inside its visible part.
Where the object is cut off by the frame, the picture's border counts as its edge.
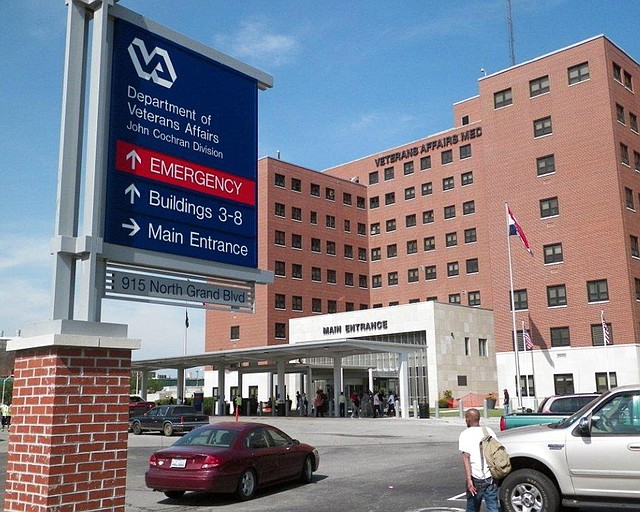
(6, 416)
(391, 405)
(506, 403)
(479, 482)
(342, 400)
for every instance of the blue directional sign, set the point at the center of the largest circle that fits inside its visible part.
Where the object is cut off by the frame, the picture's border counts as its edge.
(182, 176)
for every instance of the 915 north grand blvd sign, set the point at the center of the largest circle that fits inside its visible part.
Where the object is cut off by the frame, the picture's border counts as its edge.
(182, 172)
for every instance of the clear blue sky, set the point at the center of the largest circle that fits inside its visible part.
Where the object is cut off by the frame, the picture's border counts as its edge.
(351, 78)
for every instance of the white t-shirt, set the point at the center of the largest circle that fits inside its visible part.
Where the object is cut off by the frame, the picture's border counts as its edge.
(469, 442)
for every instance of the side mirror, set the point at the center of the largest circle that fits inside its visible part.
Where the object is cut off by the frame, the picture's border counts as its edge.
(295, 442)
(584, 426)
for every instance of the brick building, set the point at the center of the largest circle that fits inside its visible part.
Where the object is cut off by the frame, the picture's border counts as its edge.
(558, 139)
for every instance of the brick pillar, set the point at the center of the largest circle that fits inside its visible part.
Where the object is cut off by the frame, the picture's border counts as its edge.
(68, 441)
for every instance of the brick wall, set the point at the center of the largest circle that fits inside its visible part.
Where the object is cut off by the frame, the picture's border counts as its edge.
(68, 440)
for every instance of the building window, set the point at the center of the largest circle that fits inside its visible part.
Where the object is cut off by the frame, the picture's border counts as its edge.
(598, 291)
(362, 229)
(465, 120)
(410, 220)
(280, 210)
(465, 151)
(450, 211)
(296, 271)
(636, 161)
(427, 189)
(349, 306)
(447, 183)
(430, 272)
(313, 218)
(362, 281)
(408, 168)
(549, 207)
(392, 251)
(502, 98)
(520, 300)
(332, 306)
(330, 194)
(633, 122)
(427, 217)
(578, 73)
(389, 198)
(617, 72)
(542, 127)
(315, 245)
(279, 180)
(620, 114)
(539, 86)
(637, 282)
(466, 178)
(470, 236)
(446, 157)
(429, 243)
(454, 298)
(628, 81)
(624, 154)
(376, 254)
(330, 221)
(451, 239)
(556, 295)
(373, 177)
(347, 226)
(280, 268)
(546, 165)
(425, 163)
(388, 173)
(280, 302)
(628, 198)
(412, 246)
(413, 275)
(375, 228)
(314, 189)
(234, 333)
(348, 278)
(346, 198)
(281, 330)
(473, 298)
(563, 384)
(472, 266)
(635, 249)
(316, 305)
(374, 202)
(601, 381)
(360, 202)
(390, 225)
(597, 336)
(296, 241)
(560, 337)
(468, 207)
(331, 248)
(362, 254)
(296, 303)
(453, 269)
(348, 251)
(483, 349)
(331, 276)
(376, 281)
(409, 193)
(467, 347)
(553, 253)
(296, 185)
(280, 238)
(316, 274)
(296, 213)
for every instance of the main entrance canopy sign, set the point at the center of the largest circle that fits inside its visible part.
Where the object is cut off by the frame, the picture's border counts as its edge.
(182, 169)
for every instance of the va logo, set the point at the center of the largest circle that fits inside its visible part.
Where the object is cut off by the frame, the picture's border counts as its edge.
(155, 66)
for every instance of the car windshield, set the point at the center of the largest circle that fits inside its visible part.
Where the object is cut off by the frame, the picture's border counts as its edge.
(576, 415)
(219, 437)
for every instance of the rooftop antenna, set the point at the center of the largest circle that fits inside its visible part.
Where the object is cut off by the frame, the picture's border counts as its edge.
(512, 53)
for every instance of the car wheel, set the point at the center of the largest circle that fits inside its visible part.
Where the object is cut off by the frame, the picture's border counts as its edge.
(246, 485)
(167, 429)
(527, 490)
(136, 429)
(174, 495)
(307, 470)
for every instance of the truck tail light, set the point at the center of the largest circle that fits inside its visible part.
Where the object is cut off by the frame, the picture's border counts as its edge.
(502, 424)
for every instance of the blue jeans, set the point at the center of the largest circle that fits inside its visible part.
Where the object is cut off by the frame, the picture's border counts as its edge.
(488, 492)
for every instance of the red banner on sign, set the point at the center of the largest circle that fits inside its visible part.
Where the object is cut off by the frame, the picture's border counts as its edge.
(182, 173)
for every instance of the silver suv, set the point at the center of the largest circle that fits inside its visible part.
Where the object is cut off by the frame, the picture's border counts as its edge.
(566, 404)
(591, 457)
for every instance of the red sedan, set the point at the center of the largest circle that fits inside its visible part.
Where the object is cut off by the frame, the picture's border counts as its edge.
(230, 457)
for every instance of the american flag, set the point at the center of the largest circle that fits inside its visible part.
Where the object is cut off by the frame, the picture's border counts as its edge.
(527, 340)
(606, 336)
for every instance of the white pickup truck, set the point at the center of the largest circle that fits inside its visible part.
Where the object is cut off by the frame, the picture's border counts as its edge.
(592, 457)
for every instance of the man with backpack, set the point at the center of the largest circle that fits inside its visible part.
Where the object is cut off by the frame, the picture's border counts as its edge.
(480, 483)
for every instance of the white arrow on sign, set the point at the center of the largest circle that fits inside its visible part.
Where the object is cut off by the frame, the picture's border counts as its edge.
(133, 191)
(133, 227)
(134, 157)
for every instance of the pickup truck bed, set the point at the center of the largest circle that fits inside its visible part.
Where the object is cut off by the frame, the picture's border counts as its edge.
(532, 418)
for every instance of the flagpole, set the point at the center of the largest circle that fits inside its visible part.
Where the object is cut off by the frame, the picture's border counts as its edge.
(513, 311)
(604, 342)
